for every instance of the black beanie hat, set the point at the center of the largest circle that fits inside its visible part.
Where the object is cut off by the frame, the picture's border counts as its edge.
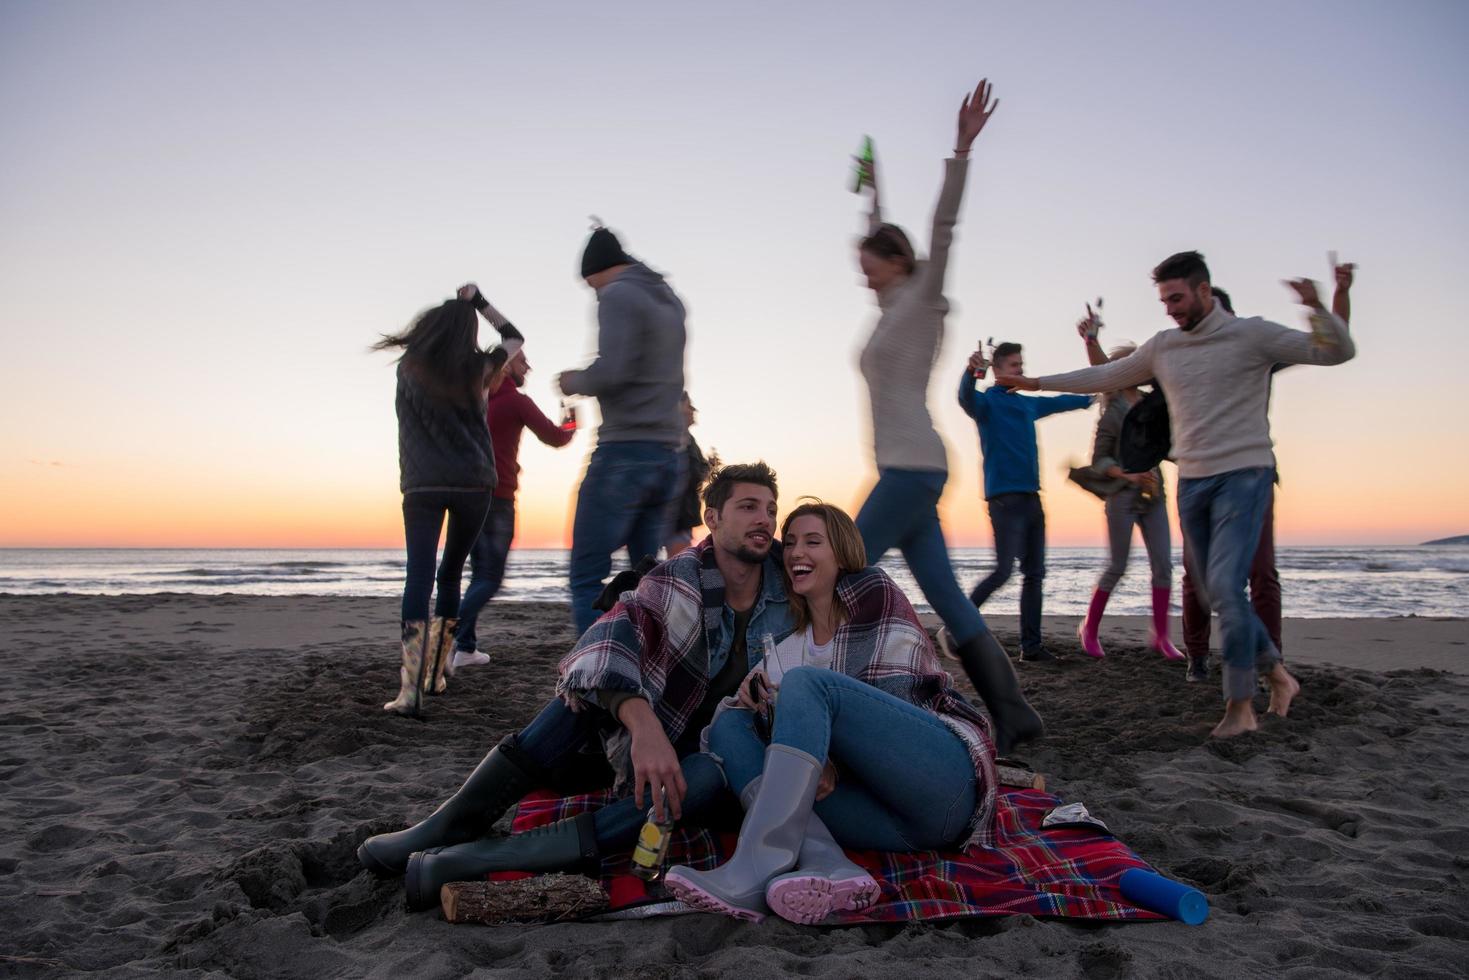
(603, 251)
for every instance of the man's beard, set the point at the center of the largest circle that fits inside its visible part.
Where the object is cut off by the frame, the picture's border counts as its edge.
(749, 555)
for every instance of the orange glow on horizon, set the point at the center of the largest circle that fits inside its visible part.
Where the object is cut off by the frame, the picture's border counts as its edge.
(55, 510)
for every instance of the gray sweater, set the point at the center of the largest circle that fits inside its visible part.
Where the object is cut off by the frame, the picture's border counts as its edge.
(1217, 381)
(637, 378)
(899, 357)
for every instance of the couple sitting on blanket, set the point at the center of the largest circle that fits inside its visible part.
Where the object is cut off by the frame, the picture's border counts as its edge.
(870, 747)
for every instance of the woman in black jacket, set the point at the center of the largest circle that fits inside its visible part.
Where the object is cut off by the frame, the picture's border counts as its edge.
(446, 466)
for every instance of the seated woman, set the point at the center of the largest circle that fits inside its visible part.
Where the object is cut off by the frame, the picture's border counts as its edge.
(871, 747)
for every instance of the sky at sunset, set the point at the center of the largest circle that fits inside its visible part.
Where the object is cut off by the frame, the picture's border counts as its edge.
(209, 210)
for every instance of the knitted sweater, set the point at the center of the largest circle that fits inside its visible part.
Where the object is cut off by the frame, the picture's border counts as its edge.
(899, 357)
(509, 411)
(1216, 378)
(442, 445)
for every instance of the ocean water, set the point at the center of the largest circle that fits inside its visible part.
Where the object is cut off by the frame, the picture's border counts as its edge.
(1317, 581)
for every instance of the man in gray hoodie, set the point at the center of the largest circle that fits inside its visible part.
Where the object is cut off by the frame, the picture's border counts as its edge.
(636, 473)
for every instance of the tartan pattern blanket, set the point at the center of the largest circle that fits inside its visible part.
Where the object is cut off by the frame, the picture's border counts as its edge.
(656, 642)
(1068, 873)
(883, 644)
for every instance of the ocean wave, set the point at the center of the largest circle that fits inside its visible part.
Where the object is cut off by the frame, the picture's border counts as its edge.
(309, 564)
(1318, 581)
(226, 573)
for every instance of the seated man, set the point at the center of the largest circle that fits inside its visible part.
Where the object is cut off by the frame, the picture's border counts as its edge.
(649, 673)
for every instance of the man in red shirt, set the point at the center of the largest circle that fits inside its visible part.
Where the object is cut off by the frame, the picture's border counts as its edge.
(508, 412)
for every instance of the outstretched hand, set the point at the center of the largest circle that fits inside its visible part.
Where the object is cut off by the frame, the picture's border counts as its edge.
(468, 291)
(1017, 382)
(1306, 293)
(1090, 325)
(1345, 273)
(974, 112)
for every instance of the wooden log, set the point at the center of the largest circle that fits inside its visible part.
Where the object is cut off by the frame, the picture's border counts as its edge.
(547, 898)
(1018, 776)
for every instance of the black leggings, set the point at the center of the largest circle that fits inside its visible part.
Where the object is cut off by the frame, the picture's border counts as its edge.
(423, 516)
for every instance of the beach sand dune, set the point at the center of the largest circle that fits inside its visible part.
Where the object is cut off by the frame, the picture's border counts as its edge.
(185, 780)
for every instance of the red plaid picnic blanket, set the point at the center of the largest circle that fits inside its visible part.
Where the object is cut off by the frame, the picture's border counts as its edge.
(1065, 873)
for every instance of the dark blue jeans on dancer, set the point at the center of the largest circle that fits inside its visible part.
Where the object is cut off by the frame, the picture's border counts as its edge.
(1019, 523)
(1221, 518)
(423, 519)
(902, 512)
(906, 781)
(557, 733)
(628, 498)
(486, 568)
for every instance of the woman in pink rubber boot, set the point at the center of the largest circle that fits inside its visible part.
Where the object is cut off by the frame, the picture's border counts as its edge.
(1132, 500)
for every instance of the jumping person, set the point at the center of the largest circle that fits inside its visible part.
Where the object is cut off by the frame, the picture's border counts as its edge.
(912, 466)
(1012, 485)
(636, 473)
(1215, 371)
(446, 467)
(647, 678)
(508, 411)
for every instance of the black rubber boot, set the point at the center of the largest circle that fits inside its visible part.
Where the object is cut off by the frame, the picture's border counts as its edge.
(993, 676)
(496, 784)
(566, 845)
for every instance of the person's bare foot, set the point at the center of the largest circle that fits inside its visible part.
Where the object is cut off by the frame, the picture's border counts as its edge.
(1283, 689)
(1239, 717)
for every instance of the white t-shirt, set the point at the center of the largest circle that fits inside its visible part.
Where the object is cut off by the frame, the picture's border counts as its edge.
(797, 650)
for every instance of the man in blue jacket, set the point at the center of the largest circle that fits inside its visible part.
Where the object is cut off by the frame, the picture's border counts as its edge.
(1012, 484)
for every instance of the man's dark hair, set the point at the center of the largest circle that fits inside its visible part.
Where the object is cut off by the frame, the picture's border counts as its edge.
(1184, 265)
(1005, 350)
(722, 482)
(1222, 297)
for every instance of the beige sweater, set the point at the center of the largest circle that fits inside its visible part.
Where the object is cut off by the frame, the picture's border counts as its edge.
(898, 360)
(1216, 378)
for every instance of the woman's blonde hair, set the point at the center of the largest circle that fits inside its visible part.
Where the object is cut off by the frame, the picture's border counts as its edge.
(846, 545)
(1124, 349)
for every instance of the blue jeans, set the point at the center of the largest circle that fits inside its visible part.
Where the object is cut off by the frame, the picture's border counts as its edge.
(902, 512)
(423, 517)
(1221, 518)
(486, 568)
(1020, 532)
(557, 733)
(906, 780)
(628, 497)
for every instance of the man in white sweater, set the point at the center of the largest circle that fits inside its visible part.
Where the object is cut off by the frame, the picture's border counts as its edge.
(1215, 371)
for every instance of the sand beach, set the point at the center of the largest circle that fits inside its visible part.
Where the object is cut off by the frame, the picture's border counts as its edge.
(186, 778)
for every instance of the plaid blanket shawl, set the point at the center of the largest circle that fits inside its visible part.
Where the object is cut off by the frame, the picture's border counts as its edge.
(883, 644)
(655, 642)
(1069, 873)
